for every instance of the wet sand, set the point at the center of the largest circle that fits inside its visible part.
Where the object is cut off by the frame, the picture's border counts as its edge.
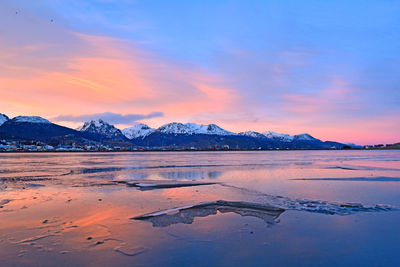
(200, 208)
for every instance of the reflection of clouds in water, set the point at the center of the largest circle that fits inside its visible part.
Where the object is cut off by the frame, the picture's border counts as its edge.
(357, 179)
(315, 206)
(144, 172)
(121, 176)
(137, 175)
(142, 175)
(361, 168)
(190, 175)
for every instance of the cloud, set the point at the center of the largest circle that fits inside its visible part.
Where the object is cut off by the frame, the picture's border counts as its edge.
(109, 117)
(338, 86)
(104, 73)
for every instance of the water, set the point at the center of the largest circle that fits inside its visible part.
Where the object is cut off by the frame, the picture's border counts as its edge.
(338, 208)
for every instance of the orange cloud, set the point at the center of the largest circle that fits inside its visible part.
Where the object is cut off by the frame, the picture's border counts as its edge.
(111, 74)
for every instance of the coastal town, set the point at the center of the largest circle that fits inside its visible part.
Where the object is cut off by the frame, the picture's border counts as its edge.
(38, 146)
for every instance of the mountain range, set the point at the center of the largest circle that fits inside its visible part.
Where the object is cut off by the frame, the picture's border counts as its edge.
(169, 136)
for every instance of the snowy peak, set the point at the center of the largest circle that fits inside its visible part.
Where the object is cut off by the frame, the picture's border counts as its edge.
(304, 137)
(92, 125)
(252, 134)
(215, 129)
(193, 128)
(278, 136)
(3, 118)
(173, 128)
(100, 127)
(30, 119)
(289, 138)
(139, 130)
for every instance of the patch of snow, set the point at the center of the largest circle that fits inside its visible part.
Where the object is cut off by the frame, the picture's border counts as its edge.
(173, 128)
(31, 119)
(100, 127)
(193, 128)
(278, 136)
(139, 130)
(252, 134)
(3, 118)
(215, 129)
(304, 137)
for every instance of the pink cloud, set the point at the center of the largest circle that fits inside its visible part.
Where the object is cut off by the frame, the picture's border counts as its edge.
(337, 96)
(117, 75)
(51, 70)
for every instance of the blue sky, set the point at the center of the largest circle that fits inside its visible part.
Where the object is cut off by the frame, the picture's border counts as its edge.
(325, 67)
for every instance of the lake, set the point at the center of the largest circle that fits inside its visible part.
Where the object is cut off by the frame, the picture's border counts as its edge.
(287, 208)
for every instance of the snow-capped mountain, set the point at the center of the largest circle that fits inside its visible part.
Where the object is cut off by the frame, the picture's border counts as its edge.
(192, 128)
(211, 129)
(34, 128)
(30, 119)
(174, 128)
(278, 136)
(289, 138)
(100, 127)
(304, 137)
(169, 136)
(139, 130)
(3, 118)
(252, 134)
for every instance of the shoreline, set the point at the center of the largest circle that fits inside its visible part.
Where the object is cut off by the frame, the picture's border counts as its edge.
(199, 150)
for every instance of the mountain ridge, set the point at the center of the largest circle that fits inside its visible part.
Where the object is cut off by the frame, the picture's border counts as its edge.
(102, 129)
(173, 135)
(3, 118)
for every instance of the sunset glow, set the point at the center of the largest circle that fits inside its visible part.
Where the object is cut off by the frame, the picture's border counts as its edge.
(316, 68)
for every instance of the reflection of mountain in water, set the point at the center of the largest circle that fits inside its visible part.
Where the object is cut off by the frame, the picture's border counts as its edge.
(190, 175)
(186, 215)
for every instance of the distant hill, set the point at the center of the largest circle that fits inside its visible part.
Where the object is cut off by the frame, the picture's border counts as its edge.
(34, 128)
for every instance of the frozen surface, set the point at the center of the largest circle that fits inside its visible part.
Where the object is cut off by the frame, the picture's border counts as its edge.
(186, 214)
(151, 185)
(325, 208)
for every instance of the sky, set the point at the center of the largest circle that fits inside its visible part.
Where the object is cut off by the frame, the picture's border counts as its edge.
(328, 68)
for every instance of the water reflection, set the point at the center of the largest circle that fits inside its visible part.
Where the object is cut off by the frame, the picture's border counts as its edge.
(72, 209)
(190, 175)
(355, 179)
